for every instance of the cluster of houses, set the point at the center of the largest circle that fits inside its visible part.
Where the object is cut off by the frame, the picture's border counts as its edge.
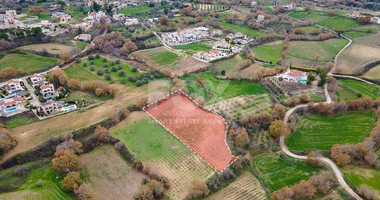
(127, 21)
(18, 95)
(63, 17)
(211, 55)
(9, 20)
(186, 36)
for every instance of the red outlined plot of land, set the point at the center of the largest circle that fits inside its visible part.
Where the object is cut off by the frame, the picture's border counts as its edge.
(201, 130)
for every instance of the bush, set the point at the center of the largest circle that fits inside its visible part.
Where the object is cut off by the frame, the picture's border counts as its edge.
(91, 62)
(107, 76)
(104, 59)
(119, 67)
(113, 69)
(121, 73)
(105, 65)
(90, 57)
(77, 60)
(112, 62)
(134, 69)
(117, 61)
(106, 70)
(21, 171)
(84, 64)
(100, 72)
(97, 55)
(123, 80)
(92, 68)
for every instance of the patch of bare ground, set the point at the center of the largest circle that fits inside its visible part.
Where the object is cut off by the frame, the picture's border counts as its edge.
(31, 135)
(50, 47)
(109, 175)
(190, 65)
(250, 71)
(245, 187)
(277, 42)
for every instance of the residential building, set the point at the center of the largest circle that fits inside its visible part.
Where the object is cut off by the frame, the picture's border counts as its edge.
(48, 91)
(295, 76)
(37, 79)
(65, 18)
(49, 107)
(260, 18)
(253, 3)
(11, 13)
(186, 36)
(131, 21)
(12, 106)
(83, 37)
(14, 86)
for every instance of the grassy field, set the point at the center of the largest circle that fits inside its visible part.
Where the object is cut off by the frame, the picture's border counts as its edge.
(363, 176)
(111, 180)
(326, 50)
(218, 90)
(27, 188)
(315, 132)
(269, 53)
(313, 15)
(20, 121)
(128, 11)
(245, 186)
(79, 95)
(79, 72)
(162, 56)
(50, 47)
(193, 48)
(277, 172)
(373, 73)
(156, 147)
(339, 23)
(28, 62)
(243, 29)
(228, 65)
(349, 89)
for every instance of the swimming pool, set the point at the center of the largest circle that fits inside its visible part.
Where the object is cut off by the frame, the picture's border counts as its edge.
(68, 108)
(10, 109)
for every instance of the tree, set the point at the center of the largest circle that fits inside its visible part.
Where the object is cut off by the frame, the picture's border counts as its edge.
(128, 48)
(312, 160)
(65, 56)
(299, 31)
(35, 10)
(71, 182)
(60, 75)
(164, 21)
(141, 102)
(339, 156)
(67, 161)
(364, 20)
(278, 128)
(102, 134)
(73, 84)
(198, 189)
(368, 193)
(7, 141)
(304, 98)
(242, 139)
(85, 192)
(278, 111)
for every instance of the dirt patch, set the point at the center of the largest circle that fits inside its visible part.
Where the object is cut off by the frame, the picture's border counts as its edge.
(203, 131)
(110, 175)
(190, 65)
(274, 43)
(50, 47)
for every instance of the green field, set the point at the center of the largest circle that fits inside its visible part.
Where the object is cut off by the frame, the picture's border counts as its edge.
(373, 73)
(228, 65)
(242, 29)
(220, 89)
(19, 121)
(28, 62)
(326, 50)
(313, 15)
(277, 172)
(339, 23)
(81, 73)
(193, 48)
(162, 57)
(363, 176)
(27, 188)
(128, 11)
(316, 132)
(349, 89)
(269, 53)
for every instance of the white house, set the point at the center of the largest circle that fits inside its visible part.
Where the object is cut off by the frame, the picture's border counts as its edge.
(9, 107)
(11, 13)
(48, 91)
(65, 18)
(295, 76)
(37, 79)
(253, 3)
(14, 86)
(260, 18)
(49, 107)
(131, 21)
(83, 37)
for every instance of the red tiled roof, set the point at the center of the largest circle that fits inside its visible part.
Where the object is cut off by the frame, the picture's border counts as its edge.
(46, 87)
(295, 73)
(214, 51)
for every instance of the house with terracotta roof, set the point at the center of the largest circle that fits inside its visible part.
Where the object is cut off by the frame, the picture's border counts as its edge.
(12, 106)
(37, 79)
(13, 86)
(48, 91)
(295, 76)
(50, 107)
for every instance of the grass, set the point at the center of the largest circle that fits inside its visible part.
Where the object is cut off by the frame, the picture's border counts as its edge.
(218, 90)
(326, 50)
(373, 73)
(28, 62)
(268, 53)
(78, 95)
(193, 48)
(243, 29)
(228, 65)
(128, 11)
(162, 57)
(313, 15)
(350, 89)
(363, 176)
(315, 132)
(277, 172)
(20, 121)
(27, 188)
(81, 44)
(339, 23)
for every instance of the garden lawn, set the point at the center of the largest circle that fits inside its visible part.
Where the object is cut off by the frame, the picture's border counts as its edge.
(128, 11)
(277, 172)
(218, 90)
(193, 48)
(268, 53)
(326, 50)
(162, 56)
(28, 62)
(242, 29)
(349, 89)
(362, 176)
(316, 132)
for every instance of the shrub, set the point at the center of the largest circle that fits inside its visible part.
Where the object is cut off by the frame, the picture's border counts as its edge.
(92, 68)
(121, 72)
(77, 60)
(105, 65)
(119, 67)
(123, 80)
(100, 72)
(106, 70)
(90, 57)
(97, 55)
(107, 76)
(84, 64)
(104, 59)
(71, 182)
(91, 62)
(134, 69)
(117, 61)
(113, 69)
(112, 62)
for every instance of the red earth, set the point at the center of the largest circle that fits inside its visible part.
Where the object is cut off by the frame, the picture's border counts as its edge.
(201, 130)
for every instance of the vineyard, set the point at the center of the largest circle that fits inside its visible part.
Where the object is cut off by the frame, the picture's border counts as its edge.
(157, 148)
(210, 7)
(278, 27)
(244, 187)
(203, 131)
(237, 107)
(362, 52)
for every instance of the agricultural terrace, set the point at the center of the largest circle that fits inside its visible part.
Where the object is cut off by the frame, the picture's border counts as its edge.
(50, 47)
(244, 187)
(243, 105)
(373, 73)
(41, 182)
(243, 29)
(316, 132)
(189, 64)
(362, 52)
(277, 172)
(203, 131)
(270, 52)
(210, 7)
(162, 56)
(28, 62)
(193, 48)
(352, 89)
(111, 180)
(217, 90)
(141, 9)
(229, 65)
(322, 18)
(100, 69)
(155, 146)
(362, 176)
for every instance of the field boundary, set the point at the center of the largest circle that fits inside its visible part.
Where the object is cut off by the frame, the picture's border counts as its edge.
(225, 135)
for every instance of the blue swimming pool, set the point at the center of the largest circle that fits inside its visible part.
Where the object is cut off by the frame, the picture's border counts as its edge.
(10, 109)
(72, 107)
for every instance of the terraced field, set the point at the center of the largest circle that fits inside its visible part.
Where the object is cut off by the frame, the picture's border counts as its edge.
(363, 176)
(277, 172)
(156, 147)
(350, 89)
(28, 62)
(244, 187)
(162, 56)
(315, 132)
(268, 53)
(373, 73)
